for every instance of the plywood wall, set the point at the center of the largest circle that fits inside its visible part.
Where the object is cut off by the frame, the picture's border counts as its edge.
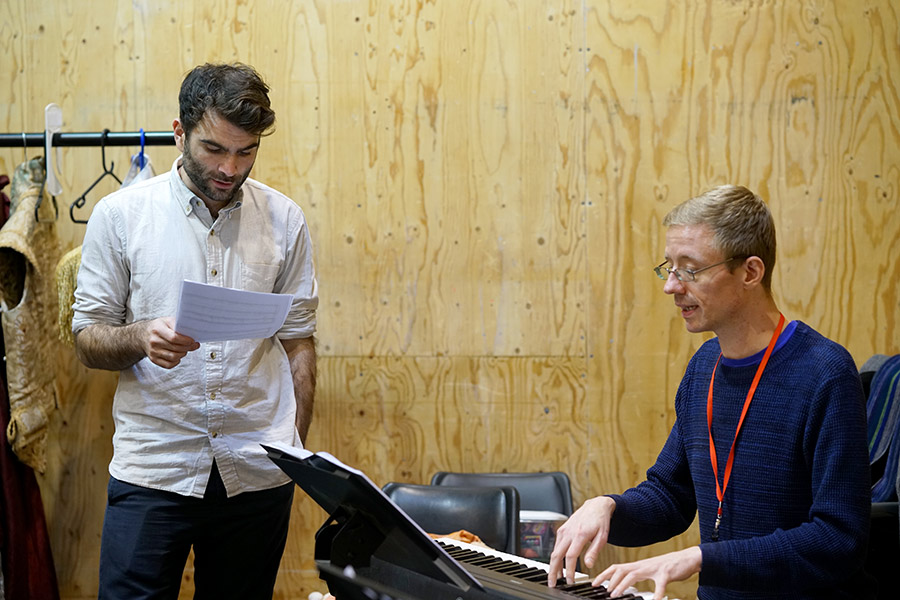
(485, 182)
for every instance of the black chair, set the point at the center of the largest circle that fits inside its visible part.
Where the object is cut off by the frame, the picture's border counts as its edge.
(884, 551)
(491, 513)
(537, 491)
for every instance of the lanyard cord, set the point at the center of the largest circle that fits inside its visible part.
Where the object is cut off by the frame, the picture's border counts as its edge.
(720, 491)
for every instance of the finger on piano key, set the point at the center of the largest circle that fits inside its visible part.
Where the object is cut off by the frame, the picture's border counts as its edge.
(536, 572)
(490, 552)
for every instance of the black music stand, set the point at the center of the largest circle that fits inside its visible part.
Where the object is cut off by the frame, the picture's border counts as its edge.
(350, 586)
(365, 526)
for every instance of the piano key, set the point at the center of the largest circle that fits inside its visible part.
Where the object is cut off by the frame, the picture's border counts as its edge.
(491, 553)
(515, 570)
(488, 558)
(574, 588)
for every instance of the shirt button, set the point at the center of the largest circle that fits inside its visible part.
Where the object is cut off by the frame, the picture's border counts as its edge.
(212, 232)
(213, 272)
(212, 396)
(215, 434)
(212, 355)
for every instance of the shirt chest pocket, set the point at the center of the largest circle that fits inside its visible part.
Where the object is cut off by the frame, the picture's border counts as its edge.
(258, 277)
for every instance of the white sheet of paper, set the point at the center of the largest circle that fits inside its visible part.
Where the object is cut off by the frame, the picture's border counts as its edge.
(301, 453)
(209, 313)
(294, 451)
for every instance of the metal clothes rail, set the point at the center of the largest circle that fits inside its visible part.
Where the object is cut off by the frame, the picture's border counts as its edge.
(94, 138)
(101, 139)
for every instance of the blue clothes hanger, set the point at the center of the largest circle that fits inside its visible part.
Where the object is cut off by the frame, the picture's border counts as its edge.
(141, 163)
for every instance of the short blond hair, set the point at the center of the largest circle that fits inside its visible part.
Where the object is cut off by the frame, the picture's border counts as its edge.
(741, 222)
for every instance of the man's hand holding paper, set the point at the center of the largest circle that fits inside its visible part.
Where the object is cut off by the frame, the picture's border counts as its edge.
(164, 345)
(209, 313)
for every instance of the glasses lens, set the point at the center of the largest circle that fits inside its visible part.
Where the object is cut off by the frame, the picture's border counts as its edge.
(682, 275)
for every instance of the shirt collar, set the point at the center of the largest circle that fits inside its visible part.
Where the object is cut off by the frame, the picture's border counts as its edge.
(755, 359)
(185, 196)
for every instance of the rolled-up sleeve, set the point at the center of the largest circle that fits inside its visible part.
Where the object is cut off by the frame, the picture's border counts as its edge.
(103, 276)
(298, 278)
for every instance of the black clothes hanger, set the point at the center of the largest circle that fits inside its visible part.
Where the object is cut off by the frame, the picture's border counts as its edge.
(80, 201)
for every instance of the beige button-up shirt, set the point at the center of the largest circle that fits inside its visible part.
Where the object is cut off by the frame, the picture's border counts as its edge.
(225, 399)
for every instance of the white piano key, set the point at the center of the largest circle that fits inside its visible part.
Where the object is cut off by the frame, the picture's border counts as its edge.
(504, 556)
(579, 577)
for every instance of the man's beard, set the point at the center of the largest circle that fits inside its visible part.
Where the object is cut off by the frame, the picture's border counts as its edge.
(201, 178)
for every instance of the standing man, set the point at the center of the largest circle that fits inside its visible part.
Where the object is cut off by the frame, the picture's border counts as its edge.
(769, 442)
(187, 468)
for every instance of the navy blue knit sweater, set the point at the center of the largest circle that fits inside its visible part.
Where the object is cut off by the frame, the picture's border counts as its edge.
(796, 510)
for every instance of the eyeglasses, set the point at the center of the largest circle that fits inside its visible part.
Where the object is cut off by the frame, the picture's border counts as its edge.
(687, 275)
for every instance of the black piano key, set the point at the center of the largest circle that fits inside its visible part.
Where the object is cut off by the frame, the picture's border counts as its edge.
(484, 561)
(502, 562)
(575, 588)
(503, 568)
(582, 590)
(586, 590)
(516, 571)
(533, 574)
(538, 577)
(598, 593)
(501, 565)
(461, 553)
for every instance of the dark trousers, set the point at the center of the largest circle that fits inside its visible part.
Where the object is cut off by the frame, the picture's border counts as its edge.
(148, 535)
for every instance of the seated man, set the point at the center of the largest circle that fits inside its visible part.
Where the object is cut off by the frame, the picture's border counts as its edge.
(769, 442)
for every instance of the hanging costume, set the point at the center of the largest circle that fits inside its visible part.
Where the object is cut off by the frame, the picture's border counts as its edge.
(29, 252)
(27, 560)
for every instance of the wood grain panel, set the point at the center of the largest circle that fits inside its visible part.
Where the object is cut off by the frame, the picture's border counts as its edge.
(409, 417)
(434, 215)
(485, 183)
(74, 484)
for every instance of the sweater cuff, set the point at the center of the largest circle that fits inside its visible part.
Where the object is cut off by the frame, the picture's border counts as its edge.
(712, 556)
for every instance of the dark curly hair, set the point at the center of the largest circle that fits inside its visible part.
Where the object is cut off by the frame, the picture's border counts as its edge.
(234, 91)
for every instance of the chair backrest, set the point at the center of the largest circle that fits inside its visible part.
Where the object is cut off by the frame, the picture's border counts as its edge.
(491, 513)
(537, 491)
(883, 427)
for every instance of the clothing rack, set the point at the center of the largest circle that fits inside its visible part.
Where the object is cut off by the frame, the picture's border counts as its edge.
(100, 139)
(94, 138)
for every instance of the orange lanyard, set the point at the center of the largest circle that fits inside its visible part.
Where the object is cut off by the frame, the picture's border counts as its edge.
(720, 491)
